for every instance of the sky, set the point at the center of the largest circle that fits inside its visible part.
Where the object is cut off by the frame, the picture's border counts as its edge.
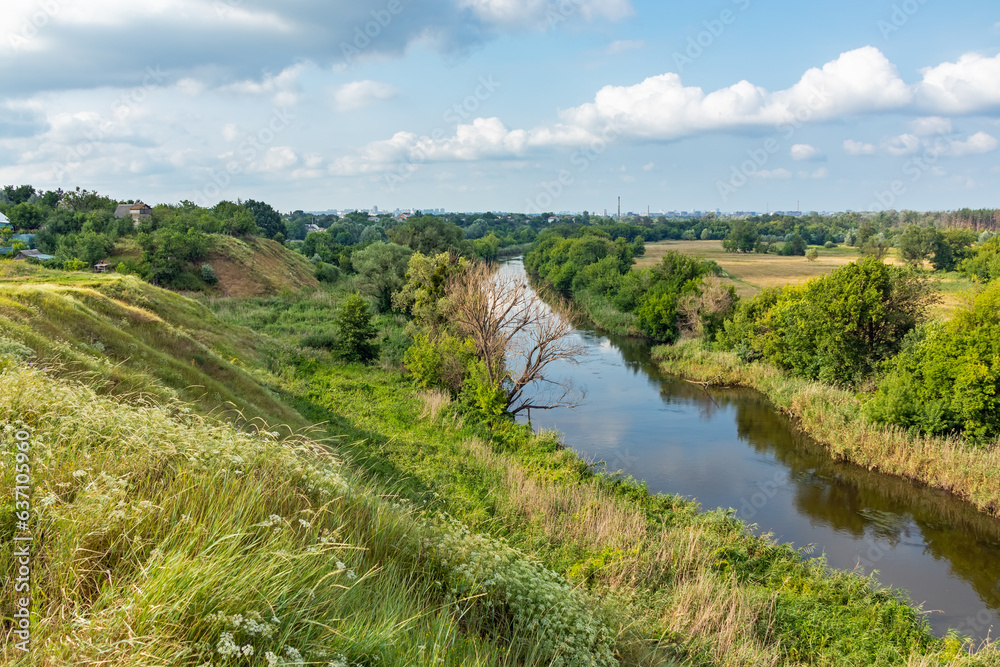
(507, 105)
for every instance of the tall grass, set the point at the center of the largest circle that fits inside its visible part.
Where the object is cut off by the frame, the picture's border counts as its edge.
(834, 418)
(165, 538)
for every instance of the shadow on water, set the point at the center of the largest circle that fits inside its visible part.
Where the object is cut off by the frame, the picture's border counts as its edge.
(733, 448)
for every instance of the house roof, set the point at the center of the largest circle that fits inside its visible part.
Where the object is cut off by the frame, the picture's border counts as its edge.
(6, 251)
(37, 254)
(4, 219)
(138, 206)
(122, 210)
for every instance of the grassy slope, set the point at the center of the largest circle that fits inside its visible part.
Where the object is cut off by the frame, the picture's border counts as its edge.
(258, 267)
(152, 521)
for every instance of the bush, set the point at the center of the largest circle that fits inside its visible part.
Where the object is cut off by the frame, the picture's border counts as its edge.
(74, 265)
(949, 378)
(326, 273)
(355, 330)
(208, 274)
(835, 329)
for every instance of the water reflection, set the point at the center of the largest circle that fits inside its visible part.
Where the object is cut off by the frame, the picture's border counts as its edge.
(731, 448)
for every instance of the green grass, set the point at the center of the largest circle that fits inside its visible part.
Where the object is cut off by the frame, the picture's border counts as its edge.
(398, 529)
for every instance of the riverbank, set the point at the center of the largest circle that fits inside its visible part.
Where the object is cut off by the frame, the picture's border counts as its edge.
(833, 417)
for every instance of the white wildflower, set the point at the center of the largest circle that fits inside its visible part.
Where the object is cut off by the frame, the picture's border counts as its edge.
(304, 523)
(293, 654)
(79, 473)
(247, 651)
(49, 499)
(351, 576)
(226, 646)
(271, 658)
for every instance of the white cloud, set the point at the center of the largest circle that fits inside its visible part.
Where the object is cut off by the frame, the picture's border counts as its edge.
(822, 172)
(230, 132)
(930, 125)
(852, 147)
(360, 94)
(779, 173)
(650, 166)
(275, 159)
(972, 84)
(978, 143)
(661, 107)
(904, 144)
(624, 45)
(804, 152)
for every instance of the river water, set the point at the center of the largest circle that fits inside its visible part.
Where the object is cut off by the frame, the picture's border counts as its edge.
(731, 448)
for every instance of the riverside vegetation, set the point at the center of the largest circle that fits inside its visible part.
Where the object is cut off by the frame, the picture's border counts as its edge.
(215, 484)
(852, 355)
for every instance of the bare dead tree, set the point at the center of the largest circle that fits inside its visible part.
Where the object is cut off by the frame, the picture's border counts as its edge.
(517, 335)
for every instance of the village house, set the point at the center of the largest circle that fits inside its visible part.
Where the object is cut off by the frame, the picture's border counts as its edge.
(139, 211)
(33, 254)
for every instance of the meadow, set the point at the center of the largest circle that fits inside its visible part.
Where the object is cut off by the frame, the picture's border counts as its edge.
(748, 273)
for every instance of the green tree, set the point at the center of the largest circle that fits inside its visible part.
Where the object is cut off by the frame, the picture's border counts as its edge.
(952, 247)
(381, 269)
(742, 238)
(949, 378)
(431, 235)
(356, 332)
(917, 244)
(268, 221)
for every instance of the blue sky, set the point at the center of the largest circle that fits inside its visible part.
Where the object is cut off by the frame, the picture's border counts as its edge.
(515, 105)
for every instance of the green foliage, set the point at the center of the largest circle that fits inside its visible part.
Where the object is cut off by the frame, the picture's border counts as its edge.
(267, 220)
(796, 246)
(431, 235)
(742, 238)
(985, 264)
(381, 269)
(208, 274)
(423, 295)
(479, 391)
(836, 329)
(488, 248)
(355, 330)
(948, 379)
(917, 244)
(327, 273)
(74, 265)
(441, 362)
(952, 248)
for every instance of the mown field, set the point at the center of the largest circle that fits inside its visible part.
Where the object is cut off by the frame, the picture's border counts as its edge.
(751, 272)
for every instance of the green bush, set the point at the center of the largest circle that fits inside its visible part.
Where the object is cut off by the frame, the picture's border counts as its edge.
(208, 274)
(835, 329)
(326, 273)
(355, 331)
(74, 265)
(949, 379)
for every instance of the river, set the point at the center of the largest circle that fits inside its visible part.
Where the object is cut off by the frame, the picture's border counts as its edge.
(731, 448)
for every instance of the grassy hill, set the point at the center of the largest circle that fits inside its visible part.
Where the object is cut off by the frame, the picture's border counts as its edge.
(258, 267)
(387, 526)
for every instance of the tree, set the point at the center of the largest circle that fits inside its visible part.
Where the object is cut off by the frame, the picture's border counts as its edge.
(430, 235)
(742, 238)
(381, 269)
(268, 220)
(812, 254)
(917, 244)
(355, 330)
(18, 195)
(516, 337)
(951, 248)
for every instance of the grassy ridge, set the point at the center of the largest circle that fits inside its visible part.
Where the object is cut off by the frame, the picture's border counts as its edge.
(834, 418)
(426, 537)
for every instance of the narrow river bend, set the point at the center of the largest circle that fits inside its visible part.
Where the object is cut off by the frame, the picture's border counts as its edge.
(731, 448)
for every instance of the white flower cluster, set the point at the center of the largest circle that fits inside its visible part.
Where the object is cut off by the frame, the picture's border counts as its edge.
(560, 620)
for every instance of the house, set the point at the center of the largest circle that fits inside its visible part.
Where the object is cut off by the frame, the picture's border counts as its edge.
(6, 251)
(33, 254)
(313, 228)
(26, 239)
(4, 221)
(101, 267)
(138, 211)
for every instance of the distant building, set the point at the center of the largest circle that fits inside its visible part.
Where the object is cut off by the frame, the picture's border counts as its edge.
(4, 221)
(313, 228)
(138, 211)
(101, 267)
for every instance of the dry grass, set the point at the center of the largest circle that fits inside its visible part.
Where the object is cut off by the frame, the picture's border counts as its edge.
(258, 267)
(434, 400)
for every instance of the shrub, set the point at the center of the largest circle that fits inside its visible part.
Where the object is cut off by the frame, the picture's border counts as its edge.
(326, 273)
(355, 330)
(208, 274)
(74, 265)
(949, 379)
